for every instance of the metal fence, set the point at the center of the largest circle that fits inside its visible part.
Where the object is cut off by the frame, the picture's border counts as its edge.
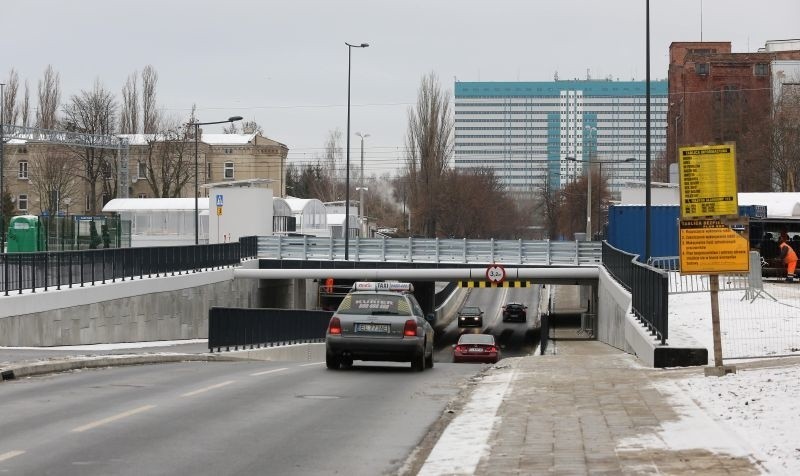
(235, 327)
(695, 283)
(648, 287)
(432, 250)
(44, 271)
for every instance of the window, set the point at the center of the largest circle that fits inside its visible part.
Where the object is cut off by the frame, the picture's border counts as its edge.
(760, 69)
(23, 170)
(142, 195)
(228, 171)
(142, 170)
(208, 171)
(701, 68)
(22, 203)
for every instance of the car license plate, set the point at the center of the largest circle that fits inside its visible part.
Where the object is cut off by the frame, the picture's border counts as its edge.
(373, 328)
(476, 349)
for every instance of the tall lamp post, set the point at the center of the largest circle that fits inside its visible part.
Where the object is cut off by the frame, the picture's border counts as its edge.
(361, 189)
(196, 172)
(589, 187)
(347, 166)
(2, 171)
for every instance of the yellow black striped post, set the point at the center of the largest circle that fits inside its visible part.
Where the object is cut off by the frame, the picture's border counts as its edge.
(489, 284)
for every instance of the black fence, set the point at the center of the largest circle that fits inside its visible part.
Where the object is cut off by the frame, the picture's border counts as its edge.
(649, 288)
(56, 269)
(235, 327)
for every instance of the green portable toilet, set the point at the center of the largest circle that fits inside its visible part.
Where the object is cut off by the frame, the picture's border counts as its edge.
(23, 234)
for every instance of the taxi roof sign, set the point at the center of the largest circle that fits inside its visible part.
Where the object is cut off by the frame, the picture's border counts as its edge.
(383, 286)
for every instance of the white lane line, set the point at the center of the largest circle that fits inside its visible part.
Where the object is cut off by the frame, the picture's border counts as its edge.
(312, 363)
(113, 418)
(499, 313)
(10, 454)
(269, 371)
(206, 389)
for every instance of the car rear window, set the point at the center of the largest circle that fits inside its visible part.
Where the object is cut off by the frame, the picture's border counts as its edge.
(476, 339)
(375, 304)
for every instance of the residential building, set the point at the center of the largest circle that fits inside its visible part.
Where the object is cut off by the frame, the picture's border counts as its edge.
(528, 131)
(718, 96)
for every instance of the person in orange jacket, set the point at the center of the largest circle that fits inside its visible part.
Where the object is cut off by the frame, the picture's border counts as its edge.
(789, 257)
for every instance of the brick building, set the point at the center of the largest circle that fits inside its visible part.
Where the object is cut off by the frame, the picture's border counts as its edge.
(718, 96)
(220, 157)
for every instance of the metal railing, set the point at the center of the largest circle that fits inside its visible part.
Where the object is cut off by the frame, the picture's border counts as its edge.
(698, 283)
(49, 270)
(649, 288)
(234, 327)
(432, 250)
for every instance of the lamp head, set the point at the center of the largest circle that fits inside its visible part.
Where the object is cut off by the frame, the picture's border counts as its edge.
(364, 45)
(234, 118)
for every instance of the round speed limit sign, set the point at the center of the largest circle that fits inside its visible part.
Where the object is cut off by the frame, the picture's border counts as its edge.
(495, 274)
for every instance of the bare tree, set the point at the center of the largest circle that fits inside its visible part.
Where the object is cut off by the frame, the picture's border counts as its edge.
(785, 141)
(9, 99)
(52, 178)
(149, 110)
(49, 99)
(169, 162)
(129, 114)
(248, 127)
(429, 143)
(94, 112)
(549, 208)
(25, 108)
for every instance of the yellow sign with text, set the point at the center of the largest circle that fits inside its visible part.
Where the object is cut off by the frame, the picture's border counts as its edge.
(708, 181)
(711, 246)
(219, 211)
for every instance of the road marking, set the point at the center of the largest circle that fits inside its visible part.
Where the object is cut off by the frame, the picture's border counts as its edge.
(499, 313)
(312, 363)
(113, 418)
(269, 371)
(10, 454)
(206, 389)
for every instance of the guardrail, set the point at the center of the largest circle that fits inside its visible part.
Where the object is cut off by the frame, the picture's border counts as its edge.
(21, 272)
(234, 327)
(432, 250)
(649, 288)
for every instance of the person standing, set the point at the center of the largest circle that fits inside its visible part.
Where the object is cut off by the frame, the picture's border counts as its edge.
(789, 257)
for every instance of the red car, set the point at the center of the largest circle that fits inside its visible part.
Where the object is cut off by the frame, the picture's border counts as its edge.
(476, 348)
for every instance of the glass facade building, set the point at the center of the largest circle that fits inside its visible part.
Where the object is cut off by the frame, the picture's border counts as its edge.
(526, 131)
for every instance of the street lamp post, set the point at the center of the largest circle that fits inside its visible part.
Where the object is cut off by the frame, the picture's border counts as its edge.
(2, 171)
(361, 189)
(196, 172)
(347, 166)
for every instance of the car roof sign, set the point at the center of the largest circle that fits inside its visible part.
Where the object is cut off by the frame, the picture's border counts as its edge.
(383, 286)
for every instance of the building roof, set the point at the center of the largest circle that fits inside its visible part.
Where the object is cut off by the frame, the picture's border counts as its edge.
(227, 139)
(154, 204)
(779, 204)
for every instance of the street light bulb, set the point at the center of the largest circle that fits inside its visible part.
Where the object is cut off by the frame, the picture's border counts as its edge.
(364, 45)
(234, 118)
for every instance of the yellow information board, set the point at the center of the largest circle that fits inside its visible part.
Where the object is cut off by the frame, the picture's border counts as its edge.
(710, 246)
(219, 211)
(708, 181)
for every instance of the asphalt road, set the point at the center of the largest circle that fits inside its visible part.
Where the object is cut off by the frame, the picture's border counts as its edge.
(222, 418)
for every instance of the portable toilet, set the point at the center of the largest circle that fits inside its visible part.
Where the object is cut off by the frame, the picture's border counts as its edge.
(23, 234)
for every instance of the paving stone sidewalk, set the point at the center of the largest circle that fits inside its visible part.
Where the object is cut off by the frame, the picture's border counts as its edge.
(582, 410)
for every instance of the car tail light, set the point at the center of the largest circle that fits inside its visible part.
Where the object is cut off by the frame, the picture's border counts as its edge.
(335, 326)
(410, 328)
(492, 349)
(461, 348)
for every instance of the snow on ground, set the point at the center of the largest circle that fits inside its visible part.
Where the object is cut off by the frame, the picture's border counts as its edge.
(759, 405)
(117, 346)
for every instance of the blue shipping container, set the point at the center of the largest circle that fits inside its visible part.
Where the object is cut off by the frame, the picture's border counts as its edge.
(626, 227)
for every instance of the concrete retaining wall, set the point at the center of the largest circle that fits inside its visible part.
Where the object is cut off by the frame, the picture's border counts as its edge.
(164, 308)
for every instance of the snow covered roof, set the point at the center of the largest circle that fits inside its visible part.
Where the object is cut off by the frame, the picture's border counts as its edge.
(299, 205)
(227, 139)
(154, 204)
(779, 204)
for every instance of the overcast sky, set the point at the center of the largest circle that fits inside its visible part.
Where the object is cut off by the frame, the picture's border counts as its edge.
(284, 63)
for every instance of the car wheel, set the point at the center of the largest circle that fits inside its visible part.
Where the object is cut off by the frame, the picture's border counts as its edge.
(332, 362)
(418, 362)
(429, 360)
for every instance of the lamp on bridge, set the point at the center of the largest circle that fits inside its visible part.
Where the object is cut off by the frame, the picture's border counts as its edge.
(347, 167)
(196, 186)
(589, 186)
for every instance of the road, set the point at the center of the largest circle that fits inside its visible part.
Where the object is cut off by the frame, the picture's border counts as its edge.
(515, 338)
(222, 418)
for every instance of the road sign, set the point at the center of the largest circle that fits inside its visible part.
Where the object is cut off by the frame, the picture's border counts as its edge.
(710, 246)
(708, 181)
(495, 273)
(219, 202)
(219, 211)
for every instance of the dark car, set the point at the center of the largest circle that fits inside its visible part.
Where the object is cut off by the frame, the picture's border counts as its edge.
(476, 348)
(515, 311)
(380, 322)
(470, 316)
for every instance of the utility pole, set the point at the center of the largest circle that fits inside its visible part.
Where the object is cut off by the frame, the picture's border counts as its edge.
(363, 218)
